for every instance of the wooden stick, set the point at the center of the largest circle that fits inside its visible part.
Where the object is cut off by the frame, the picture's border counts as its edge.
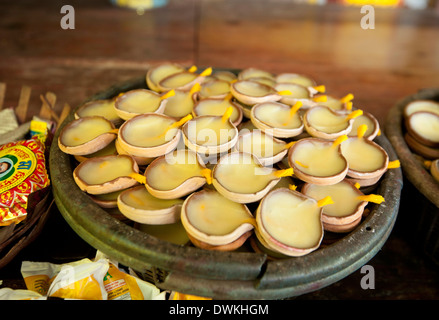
(48, 106)
(23, 102)
(48, 109)
(64, 113)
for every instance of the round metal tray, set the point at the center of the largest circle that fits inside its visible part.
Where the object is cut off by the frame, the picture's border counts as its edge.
(221, 275)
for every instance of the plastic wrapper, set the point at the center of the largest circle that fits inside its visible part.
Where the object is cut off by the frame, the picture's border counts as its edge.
(98, 279)
(22, 173)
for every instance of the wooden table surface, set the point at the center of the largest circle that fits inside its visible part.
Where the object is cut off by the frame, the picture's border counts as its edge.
(110, 45)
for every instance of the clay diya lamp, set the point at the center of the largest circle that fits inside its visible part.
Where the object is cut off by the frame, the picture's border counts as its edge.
(323, 122)
(266, 148)
(421, 105)
(347, 204)
(300, 79)
(176, 174)
(184, 80)
(160, 72)
(289, 222)
(150, 135)
(210, 135)
(240, 177)
(181, 103)
(104, 108)
(296, 93)
(215, 89)
(172, 232)
(373, 126)
(214, 222)
(255, 73)
(138, 205)
(218, 107)
(224, 75)
(278, 119)
(421, 149)
(367, 160)
(140, 101)
(318, 161)
(86, 135)
(107, 174)
(424, 127)
(250, 92)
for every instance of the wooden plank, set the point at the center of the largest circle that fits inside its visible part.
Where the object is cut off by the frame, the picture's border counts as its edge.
(23, 104)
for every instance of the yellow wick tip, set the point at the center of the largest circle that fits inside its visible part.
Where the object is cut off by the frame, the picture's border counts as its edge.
(325, 201)
(320, 98)
(357, 185)
(138, 177)
(193, 69)
(284, 92)
(207, 173)
(284, 173)
(321, 88)
(394, 164)
(206, 72)
(292, 187)
(227, 114)
(361, 131)
(354, 114)
(168, 94)
(289, 144)
(195, 88)
(339, 140)
(347, 98)
(374, 198)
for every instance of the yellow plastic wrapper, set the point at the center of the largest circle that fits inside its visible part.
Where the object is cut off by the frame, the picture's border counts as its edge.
(87, 280)
(22, 173)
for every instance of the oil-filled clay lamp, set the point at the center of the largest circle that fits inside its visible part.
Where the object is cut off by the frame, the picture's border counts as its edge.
(240, 177)
(252, 73)
(421, 105)
(302, 80)
(424, 127)
(138, 205)
(289, 222)
(278, 119)
(150, 135)
(210, 135)
(224, 75)
(182, 102)
(159, 72)
(218, 107)
(347, 206)
(86, 135)
(266, 148)
(104, 108)
(176, 174)
(184, 80)
(367, 160)
(318, 161)
(251, 92)
(106, 174)
(296, 93)
(214, 222)
(214, 88)
(373, 126)
(429, 153)
(140, 101)
(323, 122)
